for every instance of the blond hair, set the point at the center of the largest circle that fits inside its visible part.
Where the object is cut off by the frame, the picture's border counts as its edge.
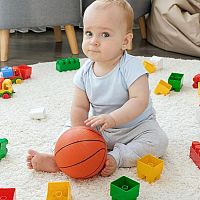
(125, 6)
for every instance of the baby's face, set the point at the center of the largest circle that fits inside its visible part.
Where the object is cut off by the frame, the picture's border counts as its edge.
(104, 33)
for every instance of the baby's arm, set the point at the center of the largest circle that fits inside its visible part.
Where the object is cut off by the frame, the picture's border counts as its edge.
(80, 107)
(137, 103)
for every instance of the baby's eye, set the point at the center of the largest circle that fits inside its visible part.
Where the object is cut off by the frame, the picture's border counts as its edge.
(105, 34)
(88, 33)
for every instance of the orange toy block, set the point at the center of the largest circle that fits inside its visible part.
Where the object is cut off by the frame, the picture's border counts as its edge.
(59, 191)
(163, 88)
(149, 168)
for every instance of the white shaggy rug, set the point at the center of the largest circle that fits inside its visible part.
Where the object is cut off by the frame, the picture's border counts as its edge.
(51, 89)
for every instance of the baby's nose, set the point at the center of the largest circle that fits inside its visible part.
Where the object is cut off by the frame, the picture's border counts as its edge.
(94, 41)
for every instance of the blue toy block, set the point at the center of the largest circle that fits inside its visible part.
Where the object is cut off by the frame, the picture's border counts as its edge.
(7, 72)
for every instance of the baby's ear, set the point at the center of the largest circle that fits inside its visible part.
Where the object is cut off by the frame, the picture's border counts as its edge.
(127, 41)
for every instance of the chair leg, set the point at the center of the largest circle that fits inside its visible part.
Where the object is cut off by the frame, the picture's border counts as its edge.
(4, 40)
(71, 36)
(143, 30)
(57, 33)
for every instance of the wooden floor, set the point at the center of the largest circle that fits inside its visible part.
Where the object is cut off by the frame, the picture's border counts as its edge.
(31, 48)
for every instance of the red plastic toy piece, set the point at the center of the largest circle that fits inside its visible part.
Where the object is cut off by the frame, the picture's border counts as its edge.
(195, 153)
(24, 70)
(7, 193)
(196, 79)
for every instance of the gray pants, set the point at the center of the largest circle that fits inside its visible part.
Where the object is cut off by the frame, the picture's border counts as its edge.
(127, 145)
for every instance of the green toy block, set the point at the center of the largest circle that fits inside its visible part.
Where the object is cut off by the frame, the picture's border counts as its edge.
(176, 80)
(67, 64)
(3, 149)
(124, 188)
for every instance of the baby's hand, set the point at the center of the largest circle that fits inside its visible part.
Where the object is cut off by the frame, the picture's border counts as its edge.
(104, 120)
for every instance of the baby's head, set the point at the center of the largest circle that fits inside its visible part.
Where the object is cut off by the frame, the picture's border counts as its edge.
(107, 29)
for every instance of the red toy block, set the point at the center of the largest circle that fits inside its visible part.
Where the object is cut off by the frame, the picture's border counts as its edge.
(196, 79)
(195, 153)
(7, 194)
(24, 70)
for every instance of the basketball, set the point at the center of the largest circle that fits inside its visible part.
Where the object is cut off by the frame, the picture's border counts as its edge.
(80, 152)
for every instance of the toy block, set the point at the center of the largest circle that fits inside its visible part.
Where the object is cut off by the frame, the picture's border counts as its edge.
(38, 113)
(3, 149)
(176, 80)
(7, 194)
(149, 168)
(124, 188)
(149, 67)
(7, 71)
(196, 79)
(195, 153)
(59, 191)
(67, 64)
(25, 71)
(157, 61)
(162, 88)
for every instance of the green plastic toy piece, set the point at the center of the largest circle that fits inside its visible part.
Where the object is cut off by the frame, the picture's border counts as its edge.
(176, 80)
(3, 149)
(67, 64)
(124, 188)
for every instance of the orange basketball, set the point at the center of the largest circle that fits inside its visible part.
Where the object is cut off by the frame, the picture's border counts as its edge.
(80, 152)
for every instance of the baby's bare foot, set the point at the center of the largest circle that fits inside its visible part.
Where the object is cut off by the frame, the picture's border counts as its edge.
(110, 166)
(41, 162)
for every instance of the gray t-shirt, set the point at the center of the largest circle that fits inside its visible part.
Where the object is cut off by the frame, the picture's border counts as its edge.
(109, 92)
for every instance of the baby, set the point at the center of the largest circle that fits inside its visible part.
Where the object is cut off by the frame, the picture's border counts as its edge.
(111, 92)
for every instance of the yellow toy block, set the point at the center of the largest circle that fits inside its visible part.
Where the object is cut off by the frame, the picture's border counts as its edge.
(59, 191)
(198, 88)
(163, 88)
(149, 168)
(149, 67)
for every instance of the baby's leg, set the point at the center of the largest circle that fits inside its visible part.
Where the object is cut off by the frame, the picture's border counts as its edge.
(151, 139)
(41, 162)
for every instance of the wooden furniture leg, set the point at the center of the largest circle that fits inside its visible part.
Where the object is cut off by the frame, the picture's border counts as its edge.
(143, 30)
(71, 36)
(4, 41)
(57, 33)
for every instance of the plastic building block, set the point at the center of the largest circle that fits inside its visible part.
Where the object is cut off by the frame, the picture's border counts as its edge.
(7, 71)
(3, 149)
(12, 74)
(6, 89)
(162, 88)
(38, 113)
(149, 168)
(7, 194)
(195, 153)
(24, 70)
(59, 191)
(67, 64)
(196, 79)
(176, 80)
(150, 67)
(124, 188)
(157, 61)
